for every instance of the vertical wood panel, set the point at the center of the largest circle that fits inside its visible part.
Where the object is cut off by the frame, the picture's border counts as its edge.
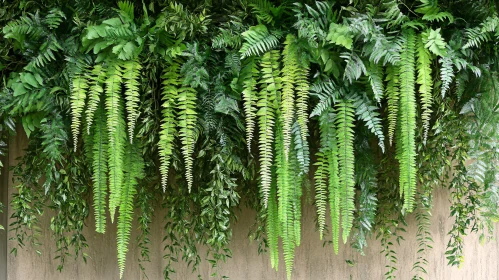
(313, 260)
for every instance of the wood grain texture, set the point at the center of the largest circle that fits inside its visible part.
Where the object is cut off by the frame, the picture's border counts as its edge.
(313, 260)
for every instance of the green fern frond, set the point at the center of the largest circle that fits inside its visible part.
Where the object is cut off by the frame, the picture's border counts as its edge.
(131, 73)
(270, 85)
(335, 192)
(375, 75)
(79, 87)
(116, 133)
(406, 146)
(392, 94)
(290, 61)
(134, 170)
(96, 81)
(434, 42)
(367, 112)
(99, 168)
(186, 104)
(250, 76)
(354, 68)
(481, 34)
(258, 40)
(327, 92)
(301, 148)
(302, 97)
(320, 178)
(273, 227)
(170, 83)
(425, 82)
(446, 73)
(344, 128)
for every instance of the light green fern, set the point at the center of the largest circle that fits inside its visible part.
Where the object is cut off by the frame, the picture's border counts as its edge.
(96, 81)
(287, 103)
(79, 87)
(170, 83)
(250, 76)
(116, 134)
(134, 170)
(186, 104)
(406, 146)
(270, 86)
(425, 84)
(345, 135)
(392, 94)
(131, 73)
(99, 168)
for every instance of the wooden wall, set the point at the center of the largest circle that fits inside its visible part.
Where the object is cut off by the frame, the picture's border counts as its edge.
(313, 260)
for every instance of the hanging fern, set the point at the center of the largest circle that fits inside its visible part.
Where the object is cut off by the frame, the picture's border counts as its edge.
(375, 74)
(320, 178)
(335, 193)
(134, 170)
(344, 124)
(186, 104)
(406, 146)
(287, 103)
(249, 75)
(392, 93)
(96, 81)
(446, 73)
(302, 96)
(78, 95)
(366, 111)
(131, 73)
(170, 82)
(99, 176)
(425, 84)
(115, 127)
(270, 85)
(273, 226)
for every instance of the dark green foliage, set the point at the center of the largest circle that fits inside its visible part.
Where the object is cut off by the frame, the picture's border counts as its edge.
(170, 97)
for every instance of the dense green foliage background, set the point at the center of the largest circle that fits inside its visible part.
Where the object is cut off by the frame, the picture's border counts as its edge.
(198, 106)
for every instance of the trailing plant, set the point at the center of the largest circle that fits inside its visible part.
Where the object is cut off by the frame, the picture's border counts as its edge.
(196, 106)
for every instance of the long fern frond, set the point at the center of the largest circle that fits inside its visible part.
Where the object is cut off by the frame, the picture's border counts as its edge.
(392, 94)
(170, 83)
(250, 97)
(345, 135)
(288, 90)
(79, 87)
(116, 134)
(406, 146)
(134, 170)
(186, 104)
(425, 84)
(99, 168)
(96, 81)
(270, 85)
(131, 73)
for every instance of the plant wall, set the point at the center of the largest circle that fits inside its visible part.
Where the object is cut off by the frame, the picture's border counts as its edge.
(195, 107)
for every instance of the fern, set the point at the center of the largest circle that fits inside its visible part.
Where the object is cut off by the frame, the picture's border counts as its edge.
(375, 74)
(96, 80)
(134, 165)
(327, 92)
(320, 178)
(301, 148)
(270, 85)
(354, 68)
(250, 75)
(131, 72)
(302, 96)
(366, 111)
(186, 104)
(480, 34)
(335, 192)
(273, 226)
(446, 73)
(115, 127)
(99, 176)
(78, 95)
(290, 57)
(425, 82)
(406, 146)
(392, 94)
(170, 82)
(344, 123)
(258, 40)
